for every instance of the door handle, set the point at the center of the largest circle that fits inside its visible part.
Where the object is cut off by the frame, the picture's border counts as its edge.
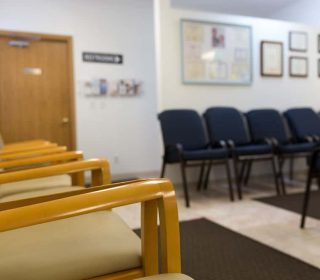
(65, 120)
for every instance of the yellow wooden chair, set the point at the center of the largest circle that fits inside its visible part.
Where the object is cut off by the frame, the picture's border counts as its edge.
(74, 235)
(34, 182)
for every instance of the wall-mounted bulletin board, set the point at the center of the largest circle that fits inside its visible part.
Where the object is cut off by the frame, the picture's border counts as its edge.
(216, 53)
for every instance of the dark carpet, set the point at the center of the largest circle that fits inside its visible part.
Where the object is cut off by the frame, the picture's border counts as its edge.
(212, 252)
(293, 202)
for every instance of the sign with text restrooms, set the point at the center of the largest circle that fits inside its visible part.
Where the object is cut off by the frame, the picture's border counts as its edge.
(102, 58)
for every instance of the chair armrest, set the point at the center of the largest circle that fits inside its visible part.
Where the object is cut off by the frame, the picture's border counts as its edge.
(25, 148)
(99, 168)
(25, 143)
(26, 154)
(156, 196)
(46, 159)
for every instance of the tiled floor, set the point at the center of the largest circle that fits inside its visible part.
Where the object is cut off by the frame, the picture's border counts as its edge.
(267, 224)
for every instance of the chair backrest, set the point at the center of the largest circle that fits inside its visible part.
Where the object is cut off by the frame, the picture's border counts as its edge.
(303, 122)
(226, 123)
(184, 127)
(267, 123)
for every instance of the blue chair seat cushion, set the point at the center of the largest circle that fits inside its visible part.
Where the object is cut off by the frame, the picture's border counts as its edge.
(254, 149)
(296, 148)
(201, 154)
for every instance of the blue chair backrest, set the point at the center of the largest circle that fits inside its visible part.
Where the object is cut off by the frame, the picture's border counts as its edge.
(226, 123)
(303, 122)
(184, 127)
(267, 123)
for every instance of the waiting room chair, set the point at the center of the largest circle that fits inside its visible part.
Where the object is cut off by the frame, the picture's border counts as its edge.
(268, 123)
(75, 235)
(304, 124)
(262, 129)
(41, 181)
(314, 172)
(185, 142)
(227, 125)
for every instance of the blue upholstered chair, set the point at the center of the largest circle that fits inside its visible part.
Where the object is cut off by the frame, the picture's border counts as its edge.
(185, 142)
(228, 125)
(304, 125)
(268, 123)
(314, 172)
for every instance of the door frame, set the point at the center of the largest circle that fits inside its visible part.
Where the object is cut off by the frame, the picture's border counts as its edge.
(69, 41)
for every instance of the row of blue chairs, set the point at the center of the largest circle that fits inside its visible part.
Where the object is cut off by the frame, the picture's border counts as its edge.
(262, 134)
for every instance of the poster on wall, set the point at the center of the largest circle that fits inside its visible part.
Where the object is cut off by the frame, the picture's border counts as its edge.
(216, 53)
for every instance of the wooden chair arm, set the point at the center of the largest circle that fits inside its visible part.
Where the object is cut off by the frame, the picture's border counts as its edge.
(29, 142)
(28, 154)
(98, 167)
(155, 195)
(22, 148)
(45, 159)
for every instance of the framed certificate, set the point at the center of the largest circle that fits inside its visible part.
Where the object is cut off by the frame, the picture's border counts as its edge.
(298, 41)
(271, 54)
(298, 66)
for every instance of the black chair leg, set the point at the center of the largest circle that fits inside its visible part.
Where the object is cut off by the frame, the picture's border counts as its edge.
(291, 167)
(306, 200)
(184, 182)
(237, 178)
(163, 169)
(275, 174)
(229, 180)
(280, 175)
(242, 170)
(201, 175)
(248, 172)
(206, 181)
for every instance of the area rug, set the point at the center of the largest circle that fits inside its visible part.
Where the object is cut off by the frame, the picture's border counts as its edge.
(212, 252)
(293, 202)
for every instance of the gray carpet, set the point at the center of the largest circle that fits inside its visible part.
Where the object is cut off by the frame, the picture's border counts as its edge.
(212, 252)
(293, 202)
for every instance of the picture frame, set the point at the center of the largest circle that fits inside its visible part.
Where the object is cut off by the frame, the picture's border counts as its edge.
(319, 43)
(298, 66)
(271, 59)
(298, 41)
(215, 53)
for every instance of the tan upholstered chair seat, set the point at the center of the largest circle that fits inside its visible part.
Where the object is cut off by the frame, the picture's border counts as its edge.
(169, 276)
(36, 187)
(80, 247)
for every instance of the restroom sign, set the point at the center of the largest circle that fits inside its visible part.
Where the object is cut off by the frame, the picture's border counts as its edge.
(102, 57)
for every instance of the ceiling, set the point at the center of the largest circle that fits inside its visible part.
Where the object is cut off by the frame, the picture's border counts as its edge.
(256, 8)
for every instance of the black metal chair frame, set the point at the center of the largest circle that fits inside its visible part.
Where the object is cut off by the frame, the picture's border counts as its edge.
(312, 173)
(242, 176)
(202, 163)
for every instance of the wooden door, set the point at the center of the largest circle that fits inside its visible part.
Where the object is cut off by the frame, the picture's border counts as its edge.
(36, 88)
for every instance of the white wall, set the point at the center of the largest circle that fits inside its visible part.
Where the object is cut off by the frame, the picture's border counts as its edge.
(278, 93)
(303, 11)
(126, 128)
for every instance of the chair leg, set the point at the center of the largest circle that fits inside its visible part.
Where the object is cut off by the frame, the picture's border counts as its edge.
(201, 175)
(163, 169)
(242, 170)
(283, 185)
(184, 182)
(229, 180)
(237, 178)
(291, 167)
(206, 181)
(248, 172)
(275, 174)
(306, 200)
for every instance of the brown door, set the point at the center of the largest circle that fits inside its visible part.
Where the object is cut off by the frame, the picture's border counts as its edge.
(36, 98)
